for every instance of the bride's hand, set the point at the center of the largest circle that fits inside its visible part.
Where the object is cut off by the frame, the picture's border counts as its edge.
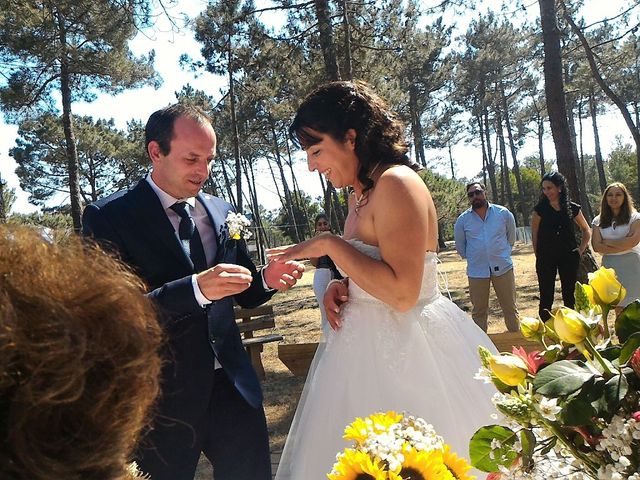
(337, 294)
(313, 248)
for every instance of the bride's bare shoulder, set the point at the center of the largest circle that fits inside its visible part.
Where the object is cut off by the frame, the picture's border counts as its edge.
(398, 178)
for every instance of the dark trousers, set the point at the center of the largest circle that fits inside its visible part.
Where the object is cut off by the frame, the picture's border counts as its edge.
(566, 265)
(232, 435)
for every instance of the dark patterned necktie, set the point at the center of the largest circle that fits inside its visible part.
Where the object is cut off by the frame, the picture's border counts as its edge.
(189, 236)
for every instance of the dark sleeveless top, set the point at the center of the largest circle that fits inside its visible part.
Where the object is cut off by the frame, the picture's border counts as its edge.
(326, 262)
(556, 234)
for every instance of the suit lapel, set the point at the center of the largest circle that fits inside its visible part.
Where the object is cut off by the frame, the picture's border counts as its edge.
(154, 222)
(217, 212)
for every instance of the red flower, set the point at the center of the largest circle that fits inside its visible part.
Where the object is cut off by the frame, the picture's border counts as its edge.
(635, 361)
(590, 439)
(534, 360)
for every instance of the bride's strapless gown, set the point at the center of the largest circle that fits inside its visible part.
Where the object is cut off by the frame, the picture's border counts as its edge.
(421, 362)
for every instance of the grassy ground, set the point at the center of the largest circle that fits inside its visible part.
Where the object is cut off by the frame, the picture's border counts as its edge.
(298, 320)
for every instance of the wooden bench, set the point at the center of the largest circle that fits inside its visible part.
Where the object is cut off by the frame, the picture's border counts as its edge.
(250, 320)
(297, 356)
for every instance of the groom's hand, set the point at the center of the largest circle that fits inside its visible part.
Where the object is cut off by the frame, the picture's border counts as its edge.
(223, 280)
(282, 275)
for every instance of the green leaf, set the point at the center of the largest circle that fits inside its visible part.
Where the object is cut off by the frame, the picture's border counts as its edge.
(562, 378)
(615, 390)
(488, 460)
(628, 322)
(630, 346)
(549, 446)
(611, 353)
(577, 412)
(528, 441)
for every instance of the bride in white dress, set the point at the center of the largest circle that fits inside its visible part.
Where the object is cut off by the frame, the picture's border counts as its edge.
(397, 343)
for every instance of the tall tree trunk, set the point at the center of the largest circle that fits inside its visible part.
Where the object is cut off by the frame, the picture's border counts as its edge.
(602, 179)
(416, 127)
(579, 195)
(506, 178)
(491, 168)
(323, 15)
(227, 185)
(67, 125)
(255, 208)
(484, 150)
(557, 109)
(285, 185)
(514, 158)
(541, 146)
(540, 125)
(554, 90)
(297, 194)
(633, 128)
(347, 40)
(451, 163)
(337, 208)
(4, 209)
(234, 127)
(326, 198)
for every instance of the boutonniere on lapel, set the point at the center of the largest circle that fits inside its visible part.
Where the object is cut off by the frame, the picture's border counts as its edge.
(238, 226)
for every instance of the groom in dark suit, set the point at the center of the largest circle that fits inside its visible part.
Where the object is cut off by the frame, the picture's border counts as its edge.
(176, 239)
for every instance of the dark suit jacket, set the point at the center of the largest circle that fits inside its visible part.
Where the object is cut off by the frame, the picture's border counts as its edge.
(134, 224)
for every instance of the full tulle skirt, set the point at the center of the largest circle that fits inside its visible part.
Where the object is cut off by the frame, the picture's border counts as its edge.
(421, 362)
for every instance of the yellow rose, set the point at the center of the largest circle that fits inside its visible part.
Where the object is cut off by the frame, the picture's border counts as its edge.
(509, 369)
(588, 290)
(531, 327)
(570, 326)
(607, 289)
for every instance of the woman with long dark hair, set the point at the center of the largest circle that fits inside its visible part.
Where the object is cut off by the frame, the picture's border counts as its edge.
(616, 235)
(554, 241)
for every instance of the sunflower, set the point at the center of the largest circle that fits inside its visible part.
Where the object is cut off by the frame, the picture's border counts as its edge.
(457, 466)
(421, 465)
(357, 465)
(360, 429)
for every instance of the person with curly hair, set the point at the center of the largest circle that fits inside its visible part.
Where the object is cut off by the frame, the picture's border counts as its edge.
(616, 235)
(79, 363)
(554, 241)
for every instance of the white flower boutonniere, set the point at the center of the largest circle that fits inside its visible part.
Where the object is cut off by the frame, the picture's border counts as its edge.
(238, 226)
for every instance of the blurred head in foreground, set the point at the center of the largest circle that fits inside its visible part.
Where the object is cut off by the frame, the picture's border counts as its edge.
(78, 360)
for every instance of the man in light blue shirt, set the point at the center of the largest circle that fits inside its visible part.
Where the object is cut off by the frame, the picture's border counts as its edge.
(484, 235)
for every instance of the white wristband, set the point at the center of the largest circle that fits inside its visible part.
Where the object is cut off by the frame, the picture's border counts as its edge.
(335, 280)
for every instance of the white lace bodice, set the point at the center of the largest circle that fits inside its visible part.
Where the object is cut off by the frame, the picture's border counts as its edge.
(428, 291)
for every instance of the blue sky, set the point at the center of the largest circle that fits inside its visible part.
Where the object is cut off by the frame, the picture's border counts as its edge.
(140, 103)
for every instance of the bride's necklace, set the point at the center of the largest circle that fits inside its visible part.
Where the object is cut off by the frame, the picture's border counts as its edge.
(360, 198)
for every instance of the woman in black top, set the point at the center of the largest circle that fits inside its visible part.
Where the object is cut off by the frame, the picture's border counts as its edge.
(554, 241)
(325, 270)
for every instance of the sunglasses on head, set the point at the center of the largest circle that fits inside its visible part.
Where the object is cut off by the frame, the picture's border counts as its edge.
(474, 192)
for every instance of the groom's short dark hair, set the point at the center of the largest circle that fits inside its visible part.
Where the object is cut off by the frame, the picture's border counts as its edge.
(159, 127)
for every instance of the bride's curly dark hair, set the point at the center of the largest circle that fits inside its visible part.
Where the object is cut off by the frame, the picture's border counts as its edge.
(336, 107)
(78, 360)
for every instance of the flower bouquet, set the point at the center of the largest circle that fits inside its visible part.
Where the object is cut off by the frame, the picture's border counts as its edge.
(392, 446)
(572, 409)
